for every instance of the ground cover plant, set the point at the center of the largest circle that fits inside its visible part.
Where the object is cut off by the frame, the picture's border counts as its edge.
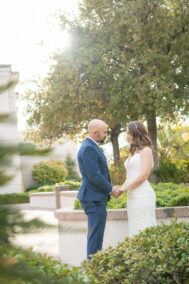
(167, 195)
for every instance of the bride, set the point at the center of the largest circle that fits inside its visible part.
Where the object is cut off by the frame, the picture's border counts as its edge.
(141, 198)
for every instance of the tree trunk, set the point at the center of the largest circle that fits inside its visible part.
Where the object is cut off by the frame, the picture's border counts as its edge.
(115, 131)
(152, 132)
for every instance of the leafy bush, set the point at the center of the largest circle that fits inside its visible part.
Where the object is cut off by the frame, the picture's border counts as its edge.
(77, 205)
(171, 197)
(119, 203)
(180, 200)
(167, 194)
(50, 171)
(70, 165)
(74, 185)
(157, 255)
(113, 203)
(14, 198)
(184, 165)
(170, 172)
(161, 186)
(117, 173)
(44, 188)
(44, 268)
(163, 197)
(37, 185)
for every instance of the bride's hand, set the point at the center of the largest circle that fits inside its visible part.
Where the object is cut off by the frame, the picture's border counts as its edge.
(123, 189)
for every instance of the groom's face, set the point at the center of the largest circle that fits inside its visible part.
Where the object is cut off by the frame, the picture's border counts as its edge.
(101, 134)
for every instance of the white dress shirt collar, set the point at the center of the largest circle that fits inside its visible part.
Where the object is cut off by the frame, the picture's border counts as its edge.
(93, 140)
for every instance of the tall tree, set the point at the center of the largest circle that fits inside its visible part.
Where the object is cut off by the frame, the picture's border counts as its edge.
(129, 60)
(143, 38)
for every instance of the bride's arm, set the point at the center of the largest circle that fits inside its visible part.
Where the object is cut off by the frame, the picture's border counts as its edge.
(146, 166)
(124, 185)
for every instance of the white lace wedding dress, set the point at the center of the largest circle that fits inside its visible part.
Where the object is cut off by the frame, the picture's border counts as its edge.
(141, 200)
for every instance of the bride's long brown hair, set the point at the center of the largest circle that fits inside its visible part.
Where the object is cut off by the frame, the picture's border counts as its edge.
(140, 137)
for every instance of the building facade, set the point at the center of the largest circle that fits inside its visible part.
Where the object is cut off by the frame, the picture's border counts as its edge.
(20, 167)
(8, 129)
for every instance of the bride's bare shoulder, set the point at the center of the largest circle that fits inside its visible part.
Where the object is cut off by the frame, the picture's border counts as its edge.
(146, 151)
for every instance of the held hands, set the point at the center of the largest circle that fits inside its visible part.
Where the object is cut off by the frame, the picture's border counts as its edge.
(116, 192)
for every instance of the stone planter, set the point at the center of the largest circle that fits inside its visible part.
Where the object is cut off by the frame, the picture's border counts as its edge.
(73, 229)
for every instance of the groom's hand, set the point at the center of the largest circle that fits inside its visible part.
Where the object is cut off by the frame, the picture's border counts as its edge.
(116, 192)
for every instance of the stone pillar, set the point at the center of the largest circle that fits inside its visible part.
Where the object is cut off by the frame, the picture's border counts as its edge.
(58, 189)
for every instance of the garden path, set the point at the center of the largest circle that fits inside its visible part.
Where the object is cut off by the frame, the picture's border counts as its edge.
(43, 241)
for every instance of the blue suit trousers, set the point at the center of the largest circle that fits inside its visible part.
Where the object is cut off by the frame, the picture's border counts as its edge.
(96, 213)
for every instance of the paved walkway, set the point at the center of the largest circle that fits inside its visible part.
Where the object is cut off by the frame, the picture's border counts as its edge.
(43, 241)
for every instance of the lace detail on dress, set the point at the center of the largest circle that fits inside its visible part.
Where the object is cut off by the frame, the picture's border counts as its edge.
(141, 200)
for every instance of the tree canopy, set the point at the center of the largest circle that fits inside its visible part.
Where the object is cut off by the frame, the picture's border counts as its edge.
(128, 60)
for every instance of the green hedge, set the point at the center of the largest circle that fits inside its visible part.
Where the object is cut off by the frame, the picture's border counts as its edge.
(37, 185)
(157, 255)
(14, 198)
(167, 195)
(50, 171)
(44, 188)
(41, 187)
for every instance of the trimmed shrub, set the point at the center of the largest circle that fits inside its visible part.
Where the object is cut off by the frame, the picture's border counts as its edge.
(14, 198)
(157, 255)
(169, 172)
(50, 171)
(70, 165)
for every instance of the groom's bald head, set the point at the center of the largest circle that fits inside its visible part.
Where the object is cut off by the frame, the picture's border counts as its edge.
(95, 124)
(97, 130)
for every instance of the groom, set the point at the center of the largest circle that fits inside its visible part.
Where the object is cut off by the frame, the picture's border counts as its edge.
(96, 187)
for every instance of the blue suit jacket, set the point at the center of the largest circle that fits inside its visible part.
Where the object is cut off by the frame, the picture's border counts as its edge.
(93, 166)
